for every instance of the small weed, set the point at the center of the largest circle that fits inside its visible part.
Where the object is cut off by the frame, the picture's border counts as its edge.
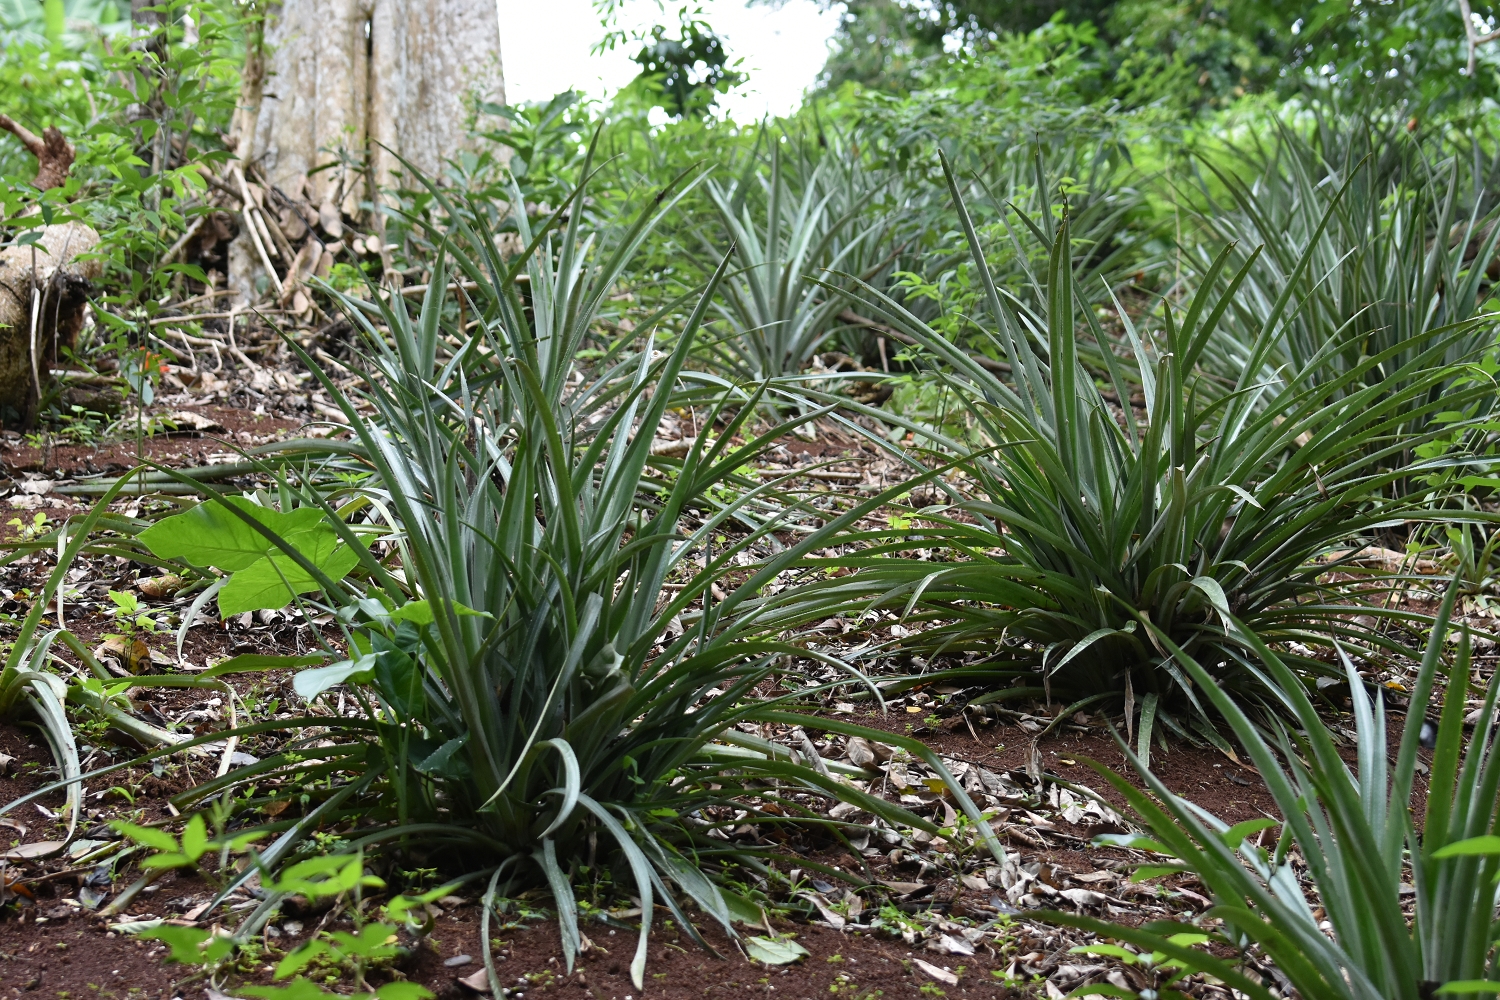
(27, 532)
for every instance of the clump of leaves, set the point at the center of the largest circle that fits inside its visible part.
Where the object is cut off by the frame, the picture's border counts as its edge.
(1090, 528)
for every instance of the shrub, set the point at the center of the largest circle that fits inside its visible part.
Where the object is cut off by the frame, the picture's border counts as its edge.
(1356, 831)
(1088, 526)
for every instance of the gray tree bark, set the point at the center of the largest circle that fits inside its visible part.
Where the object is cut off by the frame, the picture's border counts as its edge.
(346, 77)
(432, 63)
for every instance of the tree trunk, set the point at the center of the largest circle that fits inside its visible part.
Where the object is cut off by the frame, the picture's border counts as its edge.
(432, 63)
(44, 289)
(314, 106)
(346, 75)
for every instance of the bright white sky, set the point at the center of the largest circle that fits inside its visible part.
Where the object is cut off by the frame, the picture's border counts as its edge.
(545, 44)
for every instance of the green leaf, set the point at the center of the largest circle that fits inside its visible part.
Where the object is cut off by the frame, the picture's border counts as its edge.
(167, 861)
(774, 951)
(440, 761)
(421, 613)
(212, 535)
(146, 836)
(401, 991)
(190, 945)
(264, 583)
(340, 872)
(1469, 986)
(301, 958)
(1240, 832)
(311, 683)
(297, 989)
(373, 942)
(195, 838)
(742, 910)
(247, 662)
(398, 677)
(1488, 844)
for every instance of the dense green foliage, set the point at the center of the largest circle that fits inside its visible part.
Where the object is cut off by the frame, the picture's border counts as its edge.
(1356, 830)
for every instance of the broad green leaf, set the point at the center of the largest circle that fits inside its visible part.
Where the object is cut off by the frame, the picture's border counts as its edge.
(340, 872)
(1488, 844)
(146, 836)
(247, 662)
(774, 951)
(311, 683)
(264, 583)
(297, 989)
(373, 942)
(211, 535)
(300, 958)
(421, 613)
(401, 991)
(195, 838)
(190, 945)
(741, 910)
(1241, 832)
(167, 861)
(440, 760)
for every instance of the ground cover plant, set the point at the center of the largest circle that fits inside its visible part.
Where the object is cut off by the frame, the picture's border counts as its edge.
(1358, 832)
(645, 535)
(1084, 530)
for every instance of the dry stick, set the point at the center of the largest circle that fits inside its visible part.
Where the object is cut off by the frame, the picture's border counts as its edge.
(195, 317)
(36, 313)
(176, 248)
(54, 154)
(278, 237)
(247, 211)
(233, 741)
(1472, 35)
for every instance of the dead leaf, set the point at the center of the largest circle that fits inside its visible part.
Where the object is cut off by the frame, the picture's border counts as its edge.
(975, 883)
(196, 912)
(477, 981)
(157, 587)
(835, 920)
(28, 852)
(950, 945)
(190, 421)
(941, 975)
(1083, 897)
(861, 754)
(1089, 878)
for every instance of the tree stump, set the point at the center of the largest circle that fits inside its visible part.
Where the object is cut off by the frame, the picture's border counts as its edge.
(48, 281)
